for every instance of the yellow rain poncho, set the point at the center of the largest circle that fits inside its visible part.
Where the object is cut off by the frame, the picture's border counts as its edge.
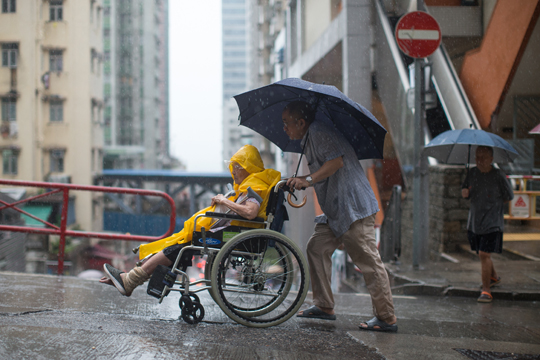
(259, 179)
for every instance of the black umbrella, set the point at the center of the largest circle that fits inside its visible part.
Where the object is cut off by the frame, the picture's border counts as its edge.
(260, 110)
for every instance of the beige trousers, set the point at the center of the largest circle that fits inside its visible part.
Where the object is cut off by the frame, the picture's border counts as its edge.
(360, 244)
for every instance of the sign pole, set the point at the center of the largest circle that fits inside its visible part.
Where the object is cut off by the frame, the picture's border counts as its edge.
(419, 114)
(418, 35)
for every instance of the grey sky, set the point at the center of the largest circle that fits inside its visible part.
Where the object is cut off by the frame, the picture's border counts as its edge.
(195, 83)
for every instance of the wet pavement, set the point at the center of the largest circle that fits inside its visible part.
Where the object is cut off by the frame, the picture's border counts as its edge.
(459, 275)
(50, 317)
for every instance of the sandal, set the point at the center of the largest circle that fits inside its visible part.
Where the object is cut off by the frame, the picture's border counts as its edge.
(485, 297)
(314, 312)
(494, 281)
(382, 326)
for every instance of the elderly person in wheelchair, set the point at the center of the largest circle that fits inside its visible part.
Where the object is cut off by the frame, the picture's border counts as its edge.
(255, 274)
(252, 183)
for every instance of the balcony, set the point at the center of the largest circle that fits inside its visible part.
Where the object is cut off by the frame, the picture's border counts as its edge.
(58, 83)
(55, 34)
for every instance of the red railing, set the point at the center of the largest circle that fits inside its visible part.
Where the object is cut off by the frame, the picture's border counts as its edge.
(62, 230)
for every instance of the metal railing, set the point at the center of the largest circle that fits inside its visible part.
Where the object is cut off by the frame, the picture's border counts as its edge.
(62, 230)
(390, 245)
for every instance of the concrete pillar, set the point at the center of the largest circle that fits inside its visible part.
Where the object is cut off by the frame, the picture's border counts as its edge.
(288, 40)
(299, 28)
(356, 51)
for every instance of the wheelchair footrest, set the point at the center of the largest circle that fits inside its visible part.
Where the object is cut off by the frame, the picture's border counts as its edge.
(162, 276)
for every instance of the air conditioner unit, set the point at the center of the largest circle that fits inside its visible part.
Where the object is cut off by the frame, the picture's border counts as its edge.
(13, 129)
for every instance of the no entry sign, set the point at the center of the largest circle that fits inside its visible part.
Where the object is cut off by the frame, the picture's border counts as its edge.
(418, 34)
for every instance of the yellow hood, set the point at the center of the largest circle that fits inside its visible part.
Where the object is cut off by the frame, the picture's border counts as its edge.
(249, 158)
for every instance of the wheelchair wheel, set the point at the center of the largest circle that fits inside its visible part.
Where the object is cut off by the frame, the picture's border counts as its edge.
(192, 296)
(192, 310)
(281, 285)
(259, 278)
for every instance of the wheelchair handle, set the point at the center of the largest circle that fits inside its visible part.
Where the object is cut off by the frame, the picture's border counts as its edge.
(283, 185)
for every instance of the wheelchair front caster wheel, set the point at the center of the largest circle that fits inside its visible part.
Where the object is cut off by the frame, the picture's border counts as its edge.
(193, 314)
(186, 300)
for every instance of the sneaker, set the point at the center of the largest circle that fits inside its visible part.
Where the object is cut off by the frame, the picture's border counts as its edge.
(114, 274)
(485, 297)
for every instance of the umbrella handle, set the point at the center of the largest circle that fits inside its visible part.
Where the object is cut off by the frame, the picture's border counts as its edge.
(296, 206)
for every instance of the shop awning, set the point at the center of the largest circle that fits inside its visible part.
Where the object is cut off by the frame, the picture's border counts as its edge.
(39, 211)
(535, 130)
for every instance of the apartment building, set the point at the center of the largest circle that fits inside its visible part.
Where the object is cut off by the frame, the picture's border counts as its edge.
(136, 97)
(235, 72)
(249, 29)
(52, 94)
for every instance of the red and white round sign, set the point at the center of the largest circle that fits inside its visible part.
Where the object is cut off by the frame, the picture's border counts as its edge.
(418, 34)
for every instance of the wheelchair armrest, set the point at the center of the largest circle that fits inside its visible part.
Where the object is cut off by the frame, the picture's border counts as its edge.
(231, 217)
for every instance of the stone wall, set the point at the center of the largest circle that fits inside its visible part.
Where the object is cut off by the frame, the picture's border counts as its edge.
(447, 213)
(448, 210)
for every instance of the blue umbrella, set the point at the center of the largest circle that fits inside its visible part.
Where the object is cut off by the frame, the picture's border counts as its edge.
(260, 110)
(456, 146)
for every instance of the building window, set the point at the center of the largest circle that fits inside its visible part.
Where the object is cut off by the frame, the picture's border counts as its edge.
(56, 10)
(9, 54)
(93, 56)
(9, 161)
(9, 6)
(95, 108)
(57, 110)
(9, 109)
(56, 60)
(57, 160)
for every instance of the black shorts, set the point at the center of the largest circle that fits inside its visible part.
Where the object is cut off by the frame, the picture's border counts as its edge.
(489, 243)
(172, 252)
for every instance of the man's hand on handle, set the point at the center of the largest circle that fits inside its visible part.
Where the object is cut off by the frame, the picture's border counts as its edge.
(298, 183)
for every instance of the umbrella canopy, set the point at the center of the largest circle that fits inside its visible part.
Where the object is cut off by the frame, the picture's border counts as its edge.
(261, 109)
(458, 146)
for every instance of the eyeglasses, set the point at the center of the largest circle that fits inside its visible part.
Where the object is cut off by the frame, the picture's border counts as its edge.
(287, 124)
(237, 167)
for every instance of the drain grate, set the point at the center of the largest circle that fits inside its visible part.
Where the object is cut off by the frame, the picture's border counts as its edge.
(492, 355)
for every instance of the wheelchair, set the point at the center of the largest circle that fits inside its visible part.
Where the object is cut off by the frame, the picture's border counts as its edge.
(257, 276)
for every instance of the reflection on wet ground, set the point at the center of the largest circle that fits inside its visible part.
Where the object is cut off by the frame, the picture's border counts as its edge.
(49, 317)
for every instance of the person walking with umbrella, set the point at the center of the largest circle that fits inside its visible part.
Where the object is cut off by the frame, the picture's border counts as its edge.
(349, 206)
(486, 186)
(488, 189)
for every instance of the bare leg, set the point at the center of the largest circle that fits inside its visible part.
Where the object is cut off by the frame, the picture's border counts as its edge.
(159, 259)
(487, 270)
(493, 272)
